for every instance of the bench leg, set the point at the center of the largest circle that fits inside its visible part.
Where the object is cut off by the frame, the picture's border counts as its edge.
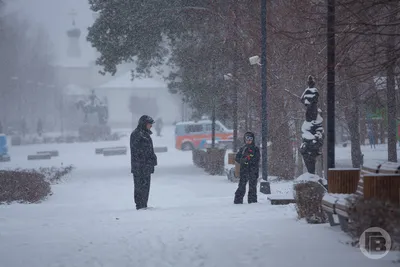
(331, 219)
(344, 223)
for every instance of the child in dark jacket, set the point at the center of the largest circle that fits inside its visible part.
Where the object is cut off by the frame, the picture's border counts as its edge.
(249, 159)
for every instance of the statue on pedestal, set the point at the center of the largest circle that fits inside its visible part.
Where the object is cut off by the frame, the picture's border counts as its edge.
(94, 105)
(90, 131)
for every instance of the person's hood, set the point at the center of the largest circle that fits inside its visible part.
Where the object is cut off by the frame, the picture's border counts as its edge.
(143, 121)
(249, 134)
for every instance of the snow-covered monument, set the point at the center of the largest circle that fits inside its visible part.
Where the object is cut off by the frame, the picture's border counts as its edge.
(94, 129)
(312, 128)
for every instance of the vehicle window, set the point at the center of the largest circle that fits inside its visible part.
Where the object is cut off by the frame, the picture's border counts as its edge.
(194, 128)
(209, 127)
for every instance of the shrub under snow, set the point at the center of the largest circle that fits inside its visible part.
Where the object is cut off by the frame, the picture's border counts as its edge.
(29, 186)
(364, 214)
(308, 193)
(23, 186)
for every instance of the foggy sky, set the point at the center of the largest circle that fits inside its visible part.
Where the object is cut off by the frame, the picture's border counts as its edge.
(53, 16)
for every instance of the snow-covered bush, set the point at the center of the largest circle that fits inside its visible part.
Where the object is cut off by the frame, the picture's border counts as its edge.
(215, 161)
(54, 174)
(199, 157)
(364, 214)
(23, 186)
(29, 186)
(308, 193)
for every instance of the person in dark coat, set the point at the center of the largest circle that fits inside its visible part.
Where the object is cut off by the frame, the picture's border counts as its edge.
(249, 159)
(143, 160)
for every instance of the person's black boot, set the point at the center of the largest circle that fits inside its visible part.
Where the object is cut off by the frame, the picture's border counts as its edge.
(237, 201)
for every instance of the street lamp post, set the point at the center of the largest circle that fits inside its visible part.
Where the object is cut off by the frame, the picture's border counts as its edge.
(331, 84)
(264, 185)
(236, 62)
(213, 119)
(230, 77)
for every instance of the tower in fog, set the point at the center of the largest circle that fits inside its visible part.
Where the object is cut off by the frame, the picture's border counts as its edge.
(74, 50)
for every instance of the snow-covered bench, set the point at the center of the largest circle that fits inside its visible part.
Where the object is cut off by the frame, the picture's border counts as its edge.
(115, 151)
(341, 184)
(383, 168)
(53, 153)
(384, 187)
(337, 203)
(341, 207)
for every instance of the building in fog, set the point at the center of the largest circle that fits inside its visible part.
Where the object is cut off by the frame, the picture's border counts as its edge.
(76, 66)
(128, 99)
(78, 75)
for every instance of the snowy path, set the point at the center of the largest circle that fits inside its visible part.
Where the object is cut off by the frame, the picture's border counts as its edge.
(90, 221)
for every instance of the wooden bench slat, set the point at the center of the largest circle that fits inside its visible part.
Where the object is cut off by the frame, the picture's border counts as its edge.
(327, 203)
(343, 181)
(328, 209)
(383, 187)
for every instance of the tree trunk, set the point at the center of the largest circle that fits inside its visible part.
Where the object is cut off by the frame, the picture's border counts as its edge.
(352, 119)
(300, 165)
(391, 89)
(391, 115)
(382, 135)
(282, 163)
(363, 126)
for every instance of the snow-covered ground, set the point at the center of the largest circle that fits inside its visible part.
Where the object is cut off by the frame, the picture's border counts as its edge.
(372, 156)
(90, 220)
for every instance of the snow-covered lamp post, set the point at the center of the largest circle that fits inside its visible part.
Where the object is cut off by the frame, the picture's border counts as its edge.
(313, 131)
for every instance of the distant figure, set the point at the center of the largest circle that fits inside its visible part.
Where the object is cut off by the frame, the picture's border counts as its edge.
(143, 160)
(24, 127)
(371, 138)
(159, 125)
(249, 159)
(1, 128)
(39, 129)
